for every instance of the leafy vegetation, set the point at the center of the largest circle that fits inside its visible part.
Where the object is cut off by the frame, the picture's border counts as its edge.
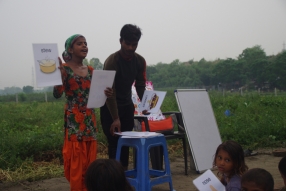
(32, 131)
(255, 120)
(29, 130)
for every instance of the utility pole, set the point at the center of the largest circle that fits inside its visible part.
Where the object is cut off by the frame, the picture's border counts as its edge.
(283, 46)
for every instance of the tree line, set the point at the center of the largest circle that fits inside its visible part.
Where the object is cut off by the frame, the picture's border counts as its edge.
(252, 69)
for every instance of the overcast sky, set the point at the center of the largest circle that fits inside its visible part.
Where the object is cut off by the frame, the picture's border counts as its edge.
(172, 29)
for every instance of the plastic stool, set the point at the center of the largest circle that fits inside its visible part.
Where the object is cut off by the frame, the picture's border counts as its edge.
(141, 177)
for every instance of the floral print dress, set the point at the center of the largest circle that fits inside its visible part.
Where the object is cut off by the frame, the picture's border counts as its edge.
(79, 121)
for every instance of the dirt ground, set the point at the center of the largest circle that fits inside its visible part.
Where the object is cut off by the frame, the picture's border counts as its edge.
(264, 159)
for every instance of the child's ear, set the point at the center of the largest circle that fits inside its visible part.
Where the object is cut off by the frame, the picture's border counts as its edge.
(70, 50)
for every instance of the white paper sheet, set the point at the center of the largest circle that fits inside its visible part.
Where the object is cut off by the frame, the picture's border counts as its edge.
(152, 101)
(101, 79)
(46, 65)
(135, 134)
(208, 182)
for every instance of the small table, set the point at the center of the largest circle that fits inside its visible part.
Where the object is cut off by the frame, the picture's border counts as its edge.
(156, 153)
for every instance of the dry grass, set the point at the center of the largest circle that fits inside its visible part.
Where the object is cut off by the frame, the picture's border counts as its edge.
(32, 171)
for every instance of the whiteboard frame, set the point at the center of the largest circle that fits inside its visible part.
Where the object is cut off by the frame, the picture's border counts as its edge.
(200, 125)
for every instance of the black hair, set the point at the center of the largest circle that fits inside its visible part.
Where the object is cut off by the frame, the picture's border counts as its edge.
(261, 177)
(282, 166)
(66, 55)
(106, 175)
(130, 32)
(236, 154)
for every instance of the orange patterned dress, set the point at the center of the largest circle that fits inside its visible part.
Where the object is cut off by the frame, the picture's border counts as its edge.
(79, 121)
(80, 145)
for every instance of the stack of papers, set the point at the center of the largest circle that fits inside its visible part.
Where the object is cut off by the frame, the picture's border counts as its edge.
(135, 134)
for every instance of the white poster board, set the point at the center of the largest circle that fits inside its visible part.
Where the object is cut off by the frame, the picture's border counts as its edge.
(200, 124)
(152, 101)
(46, 65)
(101, 79)
(208, 182)
(137, 102)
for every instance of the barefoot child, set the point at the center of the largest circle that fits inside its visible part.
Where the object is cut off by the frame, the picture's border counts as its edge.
(80, 145)
(229, 159)
(257, 179)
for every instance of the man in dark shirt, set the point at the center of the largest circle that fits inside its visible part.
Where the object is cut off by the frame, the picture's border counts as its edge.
(117, 115)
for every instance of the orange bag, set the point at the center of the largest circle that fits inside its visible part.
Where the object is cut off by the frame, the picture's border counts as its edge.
(165, 126)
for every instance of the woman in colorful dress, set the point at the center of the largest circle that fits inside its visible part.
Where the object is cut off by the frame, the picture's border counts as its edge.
(80, 145)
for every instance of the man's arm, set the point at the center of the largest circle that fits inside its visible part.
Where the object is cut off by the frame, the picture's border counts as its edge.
(140, 82)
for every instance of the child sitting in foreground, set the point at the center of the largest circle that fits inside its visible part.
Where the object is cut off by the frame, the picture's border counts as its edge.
(229, 159)
(106, 175)
(282, 170)
(257, 179)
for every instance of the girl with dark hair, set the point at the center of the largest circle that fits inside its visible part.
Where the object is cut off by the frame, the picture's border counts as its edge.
(106, 175)
(80, 146)
(229, 159)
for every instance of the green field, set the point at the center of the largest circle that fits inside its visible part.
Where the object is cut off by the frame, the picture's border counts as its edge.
(32, 130)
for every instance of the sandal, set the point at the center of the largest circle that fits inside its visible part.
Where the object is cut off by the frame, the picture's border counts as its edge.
(249, 152)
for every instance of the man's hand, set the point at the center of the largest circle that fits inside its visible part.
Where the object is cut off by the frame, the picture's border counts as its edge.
(145, 112)
(108, 92)
(115, 127)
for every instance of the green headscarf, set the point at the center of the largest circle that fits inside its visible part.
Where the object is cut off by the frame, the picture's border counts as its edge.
(68, 44)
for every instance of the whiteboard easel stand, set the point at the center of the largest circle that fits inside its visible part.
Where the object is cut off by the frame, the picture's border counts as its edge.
(200, 126)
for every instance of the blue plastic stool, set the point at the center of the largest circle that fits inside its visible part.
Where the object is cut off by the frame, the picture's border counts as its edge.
(141, 177)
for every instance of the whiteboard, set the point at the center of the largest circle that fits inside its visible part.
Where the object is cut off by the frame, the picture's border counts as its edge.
(200, 124)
